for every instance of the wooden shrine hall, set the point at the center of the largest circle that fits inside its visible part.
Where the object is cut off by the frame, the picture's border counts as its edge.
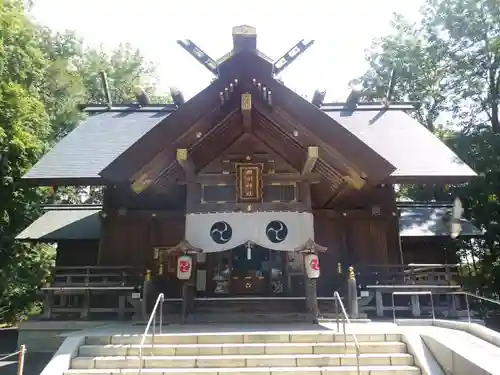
(245, 191)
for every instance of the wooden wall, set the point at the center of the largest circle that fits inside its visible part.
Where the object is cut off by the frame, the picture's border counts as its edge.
(76, 253)
(354, 235)
(433, 250)
(361, 230)
(130, 239)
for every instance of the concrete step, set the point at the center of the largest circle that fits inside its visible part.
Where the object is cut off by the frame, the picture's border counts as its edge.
(242, 338)
(231, 349)
(337, 370)
(240, 361)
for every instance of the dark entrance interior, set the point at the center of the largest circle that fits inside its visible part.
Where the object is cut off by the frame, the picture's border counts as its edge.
(257, 271)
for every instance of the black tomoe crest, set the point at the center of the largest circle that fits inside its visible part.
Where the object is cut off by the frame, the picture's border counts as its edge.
(276, 231)
(221, 232)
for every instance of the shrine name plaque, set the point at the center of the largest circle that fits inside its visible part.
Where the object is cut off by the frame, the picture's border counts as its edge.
(249, 182)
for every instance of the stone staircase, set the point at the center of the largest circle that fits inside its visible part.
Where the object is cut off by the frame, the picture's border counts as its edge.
(302, 352)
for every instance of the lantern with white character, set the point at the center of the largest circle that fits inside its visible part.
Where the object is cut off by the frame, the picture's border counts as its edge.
(312, 265)
(184, 267)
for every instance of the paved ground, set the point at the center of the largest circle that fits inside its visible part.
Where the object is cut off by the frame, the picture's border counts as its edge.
(34, 362)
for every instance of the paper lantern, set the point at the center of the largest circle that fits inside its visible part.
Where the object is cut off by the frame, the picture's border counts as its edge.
(184, 267)
(312, 266)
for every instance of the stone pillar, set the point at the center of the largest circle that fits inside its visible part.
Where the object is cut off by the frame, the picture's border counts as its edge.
(415, 306)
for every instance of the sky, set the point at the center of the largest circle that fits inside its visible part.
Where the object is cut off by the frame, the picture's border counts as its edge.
(342, 31)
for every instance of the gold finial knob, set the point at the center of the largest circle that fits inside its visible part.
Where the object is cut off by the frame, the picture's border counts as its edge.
(350, 273)
(148, 275)
(339, 268)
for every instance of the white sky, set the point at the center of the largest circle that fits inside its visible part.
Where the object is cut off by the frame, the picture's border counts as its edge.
(343, 30)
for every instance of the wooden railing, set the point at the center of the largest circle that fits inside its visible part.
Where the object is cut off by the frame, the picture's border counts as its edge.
(92, 289)
(410, 282)
(95, 276)
(408, 274)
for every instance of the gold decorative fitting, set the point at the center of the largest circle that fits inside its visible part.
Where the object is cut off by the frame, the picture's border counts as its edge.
(182, 154)
(246, 101)
(249, 182)
(313, 151)
(148, 275)
(350, 273)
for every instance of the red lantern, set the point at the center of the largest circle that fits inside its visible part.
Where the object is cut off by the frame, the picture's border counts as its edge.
(312, 266)
(184, 267)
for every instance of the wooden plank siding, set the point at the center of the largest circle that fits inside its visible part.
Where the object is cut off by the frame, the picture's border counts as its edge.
(130, 239)
(74, 253)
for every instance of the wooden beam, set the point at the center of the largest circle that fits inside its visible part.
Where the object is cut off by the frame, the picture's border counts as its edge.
(354, 180)
(312, 158)
(186, 163)
(246, 111)
(268, 179)
(142, 183)
(249, 207)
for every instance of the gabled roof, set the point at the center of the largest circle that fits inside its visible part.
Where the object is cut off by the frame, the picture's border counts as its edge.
(416, 153)
(65, 223)
(94, 144)
(118, 146)
(350, 152)
(424, 220)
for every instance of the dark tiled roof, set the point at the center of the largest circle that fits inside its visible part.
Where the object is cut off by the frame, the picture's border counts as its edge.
(94, 144)
(421, 220)
(65, 223)
(406, 144)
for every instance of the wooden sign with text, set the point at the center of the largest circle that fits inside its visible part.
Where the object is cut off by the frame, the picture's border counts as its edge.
(249, 182)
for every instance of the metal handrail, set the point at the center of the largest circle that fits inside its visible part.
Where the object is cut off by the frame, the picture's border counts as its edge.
(338, 301)
(20, 358)
(467, 295)
(413, 293)
(152, 320)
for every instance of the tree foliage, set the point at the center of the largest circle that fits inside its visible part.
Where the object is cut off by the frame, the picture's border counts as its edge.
(24, 127)
(450, 63)
(43, 76)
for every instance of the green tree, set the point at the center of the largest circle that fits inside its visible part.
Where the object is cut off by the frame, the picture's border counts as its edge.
(450, 62)
(24, 126)
(72, 78)
(126, 68)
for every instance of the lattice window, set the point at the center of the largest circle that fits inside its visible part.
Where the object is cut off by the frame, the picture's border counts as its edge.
(280, 193)
(218, 194)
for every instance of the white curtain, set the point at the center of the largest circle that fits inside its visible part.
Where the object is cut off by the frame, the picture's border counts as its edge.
(283, 231)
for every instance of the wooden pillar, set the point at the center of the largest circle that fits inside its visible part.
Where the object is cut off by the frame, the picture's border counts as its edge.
(311, 294)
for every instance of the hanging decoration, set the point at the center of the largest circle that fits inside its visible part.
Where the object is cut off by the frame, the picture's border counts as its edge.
(184, 267)
(312, 266)
(221, 231)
